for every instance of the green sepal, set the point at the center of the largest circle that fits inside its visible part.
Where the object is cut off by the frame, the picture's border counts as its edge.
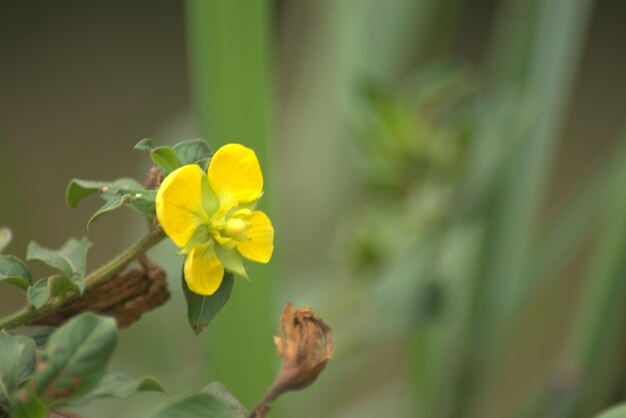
(232, 261)
(202, 309)
(15, 272)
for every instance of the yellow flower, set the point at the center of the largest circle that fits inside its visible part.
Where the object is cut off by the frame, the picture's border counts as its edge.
(211, 217)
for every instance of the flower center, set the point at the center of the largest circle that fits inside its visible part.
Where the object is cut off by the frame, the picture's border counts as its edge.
(234, 227)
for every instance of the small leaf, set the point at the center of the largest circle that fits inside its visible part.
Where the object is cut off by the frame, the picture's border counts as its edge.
(120, 386)
(202, 309)
(618, 411)
(218, 390)
(40, 336)
(197, 405)
(17, 355)
(27, 405)
(70, 259)
(74, 361)
(141, 200)
(14, 271)
(5, 238)
(145, 144)
(78, 189)
(166, 158)
(192, 151)
(38, 293)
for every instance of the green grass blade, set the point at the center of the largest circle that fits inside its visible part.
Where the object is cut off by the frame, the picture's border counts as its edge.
(229, 52)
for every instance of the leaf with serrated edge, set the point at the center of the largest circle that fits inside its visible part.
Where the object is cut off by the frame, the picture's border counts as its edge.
(75, 358)
(14, 271)
(202, 309)
(120, 386)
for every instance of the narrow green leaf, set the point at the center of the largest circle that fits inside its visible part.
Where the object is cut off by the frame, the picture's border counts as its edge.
(5, 238)
(202, 309)
(17, 363)
(615, 412)
(145, 144)
(75, 358)
(27, 405)
(165, 157)
(71, 258)
(120, 386)
(14, 271)
(192, 151)
(197, 405)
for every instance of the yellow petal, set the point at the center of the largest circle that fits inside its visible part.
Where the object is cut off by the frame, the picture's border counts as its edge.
(203, 270)
(260, 246)
(235, 174)
(179, 203)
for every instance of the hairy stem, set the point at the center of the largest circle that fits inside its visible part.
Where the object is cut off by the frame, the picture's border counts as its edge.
(154, 235)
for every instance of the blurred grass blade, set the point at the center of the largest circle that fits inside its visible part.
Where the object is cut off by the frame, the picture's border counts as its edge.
(229, 53)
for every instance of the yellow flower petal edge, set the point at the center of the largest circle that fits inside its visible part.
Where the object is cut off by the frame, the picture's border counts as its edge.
(203, 270)
(260, 246)
(235, 175)
(179, 203)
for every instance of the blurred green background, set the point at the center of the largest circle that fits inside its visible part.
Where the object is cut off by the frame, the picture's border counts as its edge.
(447, 181)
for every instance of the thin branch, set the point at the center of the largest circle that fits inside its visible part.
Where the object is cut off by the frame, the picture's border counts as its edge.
(155, 235)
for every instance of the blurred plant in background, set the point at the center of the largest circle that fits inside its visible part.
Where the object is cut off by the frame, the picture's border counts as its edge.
(449, 191)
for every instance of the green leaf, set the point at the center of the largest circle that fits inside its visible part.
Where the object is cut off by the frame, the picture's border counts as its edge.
(120, 386)
(17, 363)
(141, 201)
(38, 293)
(74, 361)
(14, 271)
(165, 157)
(5, 238)
(78, 189)
(40, 336)
(615, 412)
(196, 405)
(218, 390)
(192, 151)
(53, 287)
(202, 309)
(70, 259)
(27, 405)
(145, 144)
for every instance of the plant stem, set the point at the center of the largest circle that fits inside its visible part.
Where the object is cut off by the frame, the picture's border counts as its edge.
(155, 234)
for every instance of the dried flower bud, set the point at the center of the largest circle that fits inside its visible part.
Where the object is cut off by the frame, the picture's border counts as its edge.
(305, 345)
